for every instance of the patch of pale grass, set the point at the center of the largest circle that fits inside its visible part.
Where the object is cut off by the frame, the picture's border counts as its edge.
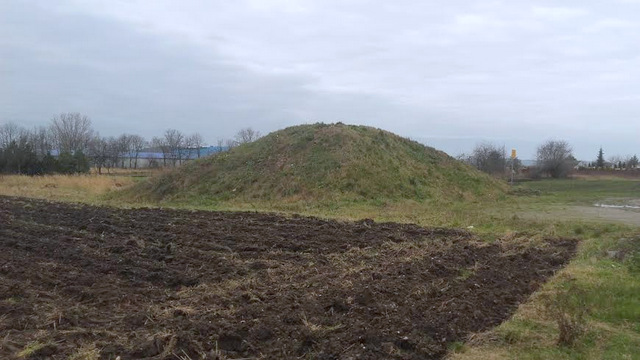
(31, 350)
(315, 328)
(84, 188)
(86, 352)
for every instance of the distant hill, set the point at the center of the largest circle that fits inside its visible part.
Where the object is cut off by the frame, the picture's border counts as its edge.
(321, 162)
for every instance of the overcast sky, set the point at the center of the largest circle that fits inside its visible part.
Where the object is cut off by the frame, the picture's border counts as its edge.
(449, 73)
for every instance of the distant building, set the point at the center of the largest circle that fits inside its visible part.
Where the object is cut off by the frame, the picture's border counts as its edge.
(156, 158)
(152, 157)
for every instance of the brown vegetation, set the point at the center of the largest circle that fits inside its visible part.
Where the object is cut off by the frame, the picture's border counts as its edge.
(78, 188)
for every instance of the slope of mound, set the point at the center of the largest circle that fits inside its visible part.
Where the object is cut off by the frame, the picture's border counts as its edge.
(322, 162)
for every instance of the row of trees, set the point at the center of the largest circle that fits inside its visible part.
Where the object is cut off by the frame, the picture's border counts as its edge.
(19, 157)
(30, 152)
(614, 162)
(70, 144)
(491, 159)
(554, 158)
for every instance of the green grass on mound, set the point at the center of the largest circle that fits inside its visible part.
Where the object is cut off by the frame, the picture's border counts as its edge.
(324, 163)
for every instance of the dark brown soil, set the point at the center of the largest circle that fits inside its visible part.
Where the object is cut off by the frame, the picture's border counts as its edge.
(169, 284)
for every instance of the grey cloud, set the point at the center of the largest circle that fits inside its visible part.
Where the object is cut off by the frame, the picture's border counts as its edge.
(455, 72)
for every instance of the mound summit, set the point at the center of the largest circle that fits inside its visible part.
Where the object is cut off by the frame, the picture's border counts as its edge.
(322, 162)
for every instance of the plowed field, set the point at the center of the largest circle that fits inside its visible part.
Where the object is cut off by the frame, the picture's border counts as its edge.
(174, 284)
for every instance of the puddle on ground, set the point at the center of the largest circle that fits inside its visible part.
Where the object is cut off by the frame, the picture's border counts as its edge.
(610, 206)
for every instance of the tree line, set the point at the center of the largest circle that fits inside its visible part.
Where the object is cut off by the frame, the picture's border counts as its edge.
(554, 158)
(614, 162)
(69, 144)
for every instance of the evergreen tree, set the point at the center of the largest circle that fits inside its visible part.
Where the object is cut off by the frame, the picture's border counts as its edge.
(19, 158)
(600, 160)
(81, 162)
(66, 163)
(49, 164)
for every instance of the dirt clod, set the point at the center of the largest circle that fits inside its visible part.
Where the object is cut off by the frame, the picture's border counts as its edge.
(231, 342)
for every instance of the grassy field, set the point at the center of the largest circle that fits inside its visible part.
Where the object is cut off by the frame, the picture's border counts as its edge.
(78, 188)
(90, 188)
(600, 285)
(597, 293)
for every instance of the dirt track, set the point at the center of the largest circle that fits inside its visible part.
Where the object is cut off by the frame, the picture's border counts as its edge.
(167, 284)
(586, 213)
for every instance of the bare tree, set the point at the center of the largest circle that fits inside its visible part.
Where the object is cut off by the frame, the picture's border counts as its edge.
(137, 144)
(71, 131)
(124, 144)
(489, 158)
(160, 144)
(555, 158)
(230, 144)
(41, 140)
(9, 132)
(188, 149)
(247, 135)
(220, 144)
(98, 150)
(614, 161)
(195, 142)
(514, 164)
(174, 140)
(114, 151)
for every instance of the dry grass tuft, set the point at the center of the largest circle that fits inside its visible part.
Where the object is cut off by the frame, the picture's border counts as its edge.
(569, 309)
(81, 188)
(86, 352)
(36, 350)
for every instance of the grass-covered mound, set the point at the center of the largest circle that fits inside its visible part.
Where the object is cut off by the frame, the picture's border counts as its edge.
(321, 162)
